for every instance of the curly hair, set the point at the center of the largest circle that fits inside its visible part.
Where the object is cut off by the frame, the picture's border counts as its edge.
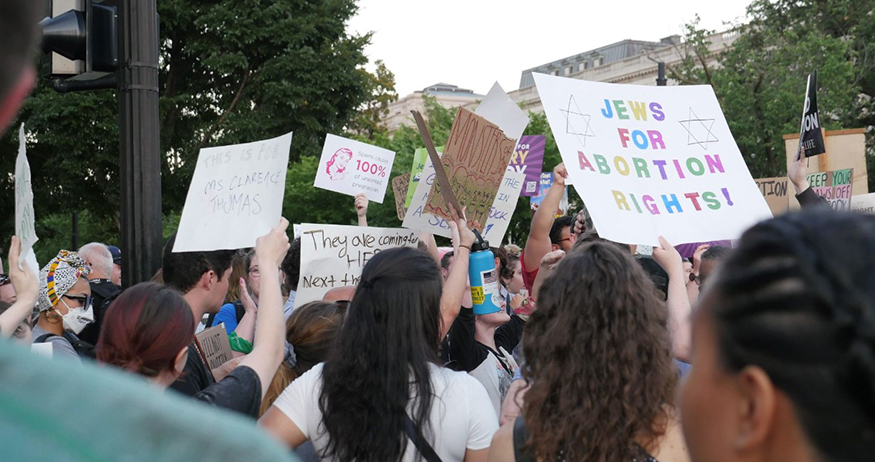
(598, 358)
(796, 298)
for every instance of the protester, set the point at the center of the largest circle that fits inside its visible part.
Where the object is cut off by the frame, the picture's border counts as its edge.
(103, 290)
(598, 361)
(116, 276)
(150, 327)
(710, 259)
(691, 279)
(797, 173)
(15, 315)
(361, 209)
(547, 233)
(236, 313)
(310, 332)
(64, 306)
(783, 345)
(292, 271)
(7, 291)
(381, 378)
(202, 277)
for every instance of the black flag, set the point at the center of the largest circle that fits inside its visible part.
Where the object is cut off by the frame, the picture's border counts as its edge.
(810, 136)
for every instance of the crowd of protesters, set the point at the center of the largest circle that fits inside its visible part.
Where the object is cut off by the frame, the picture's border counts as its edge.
(761, 349)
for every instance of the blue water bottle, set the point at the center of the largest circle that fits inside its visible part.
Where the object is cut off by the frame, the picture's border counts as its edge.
(484, 278)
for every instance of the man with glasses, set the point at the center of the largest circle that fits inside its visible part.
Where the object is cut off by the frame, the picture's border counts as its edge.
(7, 292)
(100, 260)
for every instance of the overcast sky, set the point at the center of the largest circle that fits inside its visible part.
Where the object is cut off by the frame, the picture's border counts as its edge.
(473, 43)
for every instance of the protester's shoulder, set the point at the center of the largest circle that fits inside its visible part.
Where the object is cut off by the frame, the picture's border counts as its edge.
(454, 381)
(61, 347)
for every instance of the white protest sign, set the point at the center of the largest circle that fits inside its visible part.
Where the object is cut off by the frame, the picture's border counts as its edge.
(334, 255)
(24, 216)
(651, 161)
(503, 207)
(352, 167)
(235, 196)
(864, 203)
(499, 215)
(417, 217)
(499, 109)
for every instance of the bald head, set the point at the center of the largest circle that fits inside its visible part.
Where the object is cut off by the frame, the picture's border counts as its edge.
(98, 258)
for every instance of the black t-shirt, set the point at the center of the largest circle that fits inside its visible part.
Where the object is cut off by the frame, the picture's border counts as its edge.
(101, 290)
(240, 391)
(195, 377)
(461, 352)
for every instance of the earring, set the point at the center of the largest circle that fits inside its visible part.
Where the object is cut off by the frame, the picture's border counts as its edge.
(53, 316)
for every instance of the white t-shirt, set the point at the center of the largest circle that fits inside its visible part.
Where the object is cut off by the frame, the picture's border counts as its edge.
(461, 416)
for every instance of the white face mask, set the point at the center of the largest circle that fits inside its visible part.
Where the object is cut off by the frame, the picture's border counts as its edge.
(77, 318)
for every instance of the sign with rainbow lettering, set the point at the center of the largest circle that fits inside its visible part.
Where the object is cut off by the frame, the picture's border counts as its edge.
(651, 161)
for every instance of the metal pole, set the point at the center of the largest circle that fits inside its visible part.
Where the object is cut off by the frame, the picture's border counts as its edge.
(660, 74)
(75, 244)
(140, 152)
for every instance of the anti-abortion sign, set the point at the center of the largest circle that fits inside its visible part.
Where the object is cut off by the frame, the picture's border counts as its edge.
(650, 161)
(352, 167)
(24, 216)
(834, 187)
(235, 196)
(810, 134)
(544, 184)
(334, 255)
(529, 158)
(499, 214)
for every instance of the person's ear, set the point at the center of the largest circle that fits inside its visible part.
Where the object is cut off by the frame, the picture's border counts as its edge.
(554, 247)
(12, 101)
(206, 280)
(179, 363)
(756, 408)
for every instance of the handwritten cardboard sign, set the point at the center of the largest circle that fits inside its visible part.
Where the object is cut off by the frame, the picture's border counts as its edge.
(835, 187)
(400, 185)
(24, 216)
(215, 345)
(475, 159)
(650, 161)
(864, 203)
(236, 195)
(334, 255)
(774, 190)
(419, 157)
(529, 158)
(352, 167)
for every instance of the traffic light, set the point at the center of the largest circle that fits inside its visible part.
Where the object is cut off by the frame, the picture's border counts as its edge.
(85, 34)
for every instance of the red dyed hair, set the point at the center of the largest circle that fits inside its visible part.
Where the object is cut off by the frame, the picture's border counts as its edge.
(145, 328)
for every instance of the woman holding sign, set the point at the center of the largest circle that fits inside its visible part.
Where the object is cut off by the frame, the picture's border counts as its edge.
(381, 395)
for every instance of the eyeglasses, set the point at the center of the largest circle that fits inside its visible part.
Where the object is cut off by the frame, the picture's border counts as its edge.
(84, 300)
(699, 280)
(254, 271)
(4, 279)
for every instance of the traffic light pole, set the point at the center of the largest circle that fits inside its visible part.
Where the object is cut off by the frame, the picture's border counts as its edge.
(140, 153)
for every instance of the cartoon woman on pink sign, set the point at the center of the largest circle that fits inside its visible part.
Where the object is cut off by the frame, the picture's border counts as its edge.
(336, 167)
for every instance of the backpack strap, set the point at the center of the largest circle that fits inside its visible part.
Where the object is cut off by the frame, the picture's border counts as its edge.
(421, 444)
(44, 337)
(239, 311)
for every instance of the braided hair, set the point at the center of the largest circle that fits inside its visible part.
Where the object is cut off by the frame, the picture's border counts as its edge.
(797, 299)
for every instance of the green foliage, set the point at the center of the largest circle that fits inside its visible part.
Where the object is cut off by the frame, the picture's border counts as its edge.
(760, 80)
(231, 71)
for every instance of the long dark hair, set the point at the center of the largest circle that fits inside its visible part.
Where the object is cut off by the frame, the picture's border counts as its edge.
(598, 356)
(380, 361)
(145, 328)
(796, 298)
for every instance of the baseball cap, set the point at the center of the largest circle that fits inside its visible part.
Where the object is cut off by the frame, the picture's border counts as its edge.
(116, 254)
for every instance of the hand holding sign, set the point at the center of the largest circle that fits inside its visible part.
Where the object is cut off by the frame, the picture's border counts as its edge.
(668, 258)
(798, 173)
(560, 174)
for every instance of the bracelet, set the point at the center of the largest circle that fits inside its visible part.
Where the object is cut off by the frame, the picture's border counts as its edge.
(464, 247)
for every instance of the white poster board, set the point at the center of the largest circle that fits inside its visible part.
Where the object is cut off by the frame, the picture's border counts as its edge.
(650, 161)
(235, 196)
(503, 207)
(334, 255)
(352, 167)
(864, 203)
(417, 217)
(24, 215)
(499, 109)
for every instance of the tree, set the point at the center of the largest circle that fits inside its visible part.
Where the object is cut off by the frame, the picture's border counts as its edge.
(368, 122)
(231, 71)
(760, 79)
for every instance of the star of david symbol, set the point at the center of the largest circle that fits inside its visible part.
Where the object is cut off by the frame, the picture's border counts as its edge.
(699, 130)
(577, 123)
